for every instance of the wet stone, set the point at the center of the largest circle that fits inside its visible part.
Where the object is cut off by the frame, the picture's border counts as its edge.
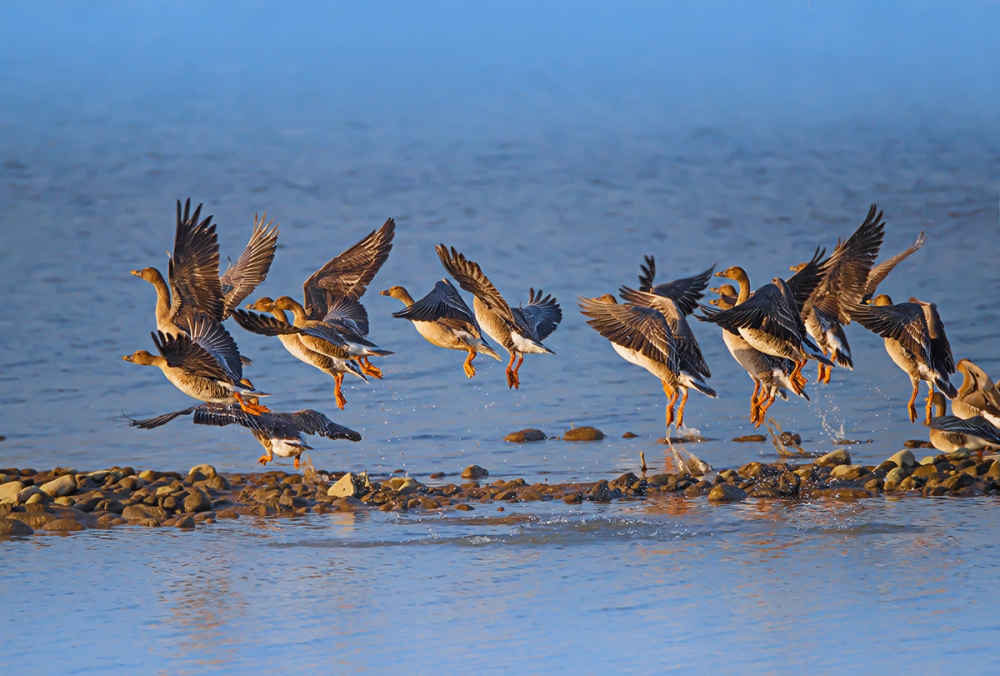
(525, 435)
(750, 438)
(917, 443)
(583, 434)
(726, 493)
(64, 485)
(463, 507)
(10, 527)
(64, 526)
(474, 472)
(903, 459)
(629, 435)
(833, 458)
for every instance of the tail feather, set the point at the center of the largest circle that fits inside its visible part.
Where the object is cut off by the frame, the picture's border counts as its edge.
(488, 351)
(353, 368)
(701, 386)
(947, 389)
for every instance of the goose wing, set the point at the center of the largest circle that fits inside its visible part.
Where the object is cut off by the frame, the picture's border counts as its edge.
(222, 415)
(647, 273)
(542, 313)
(150, 423)
(685, 292)
(348, 315)
(349, 274)
(194, 268)
(314, 422)
(765, 310)
(182, 352)
(940, 347)
(264, 325)
(213, 337)
(848, 268)
(250, 269)
(634, 327)
(470, 277)
(881, 271)
(976, 426)
(445, 305)
(903, 322)
(687, 345)
(804, 282)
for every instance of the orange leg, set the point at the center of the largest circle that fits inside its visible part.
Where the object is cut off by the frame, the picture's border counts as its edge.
(930, 395)
(338, 380)
(910, 405)
(511, 378)
(829, 372)
(517, 372)
(671, 398)
(680, 409)
(296, 462)
(266, 458)
(820, 372)
(368, 368)
(753, 401)
(252, 409)
(470, 370)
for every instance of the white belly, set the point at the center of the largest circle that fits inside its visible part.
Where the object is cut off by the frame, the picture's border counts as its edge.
(656, 368)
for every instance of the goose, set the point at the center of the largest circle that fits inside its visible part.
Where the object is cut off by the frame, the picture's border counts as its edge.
(915, 340)
(949, 433)
(205, 365)
(642, 336)
(518, 330)
(444, 320)
(279, 433)
(977, 395)
(685, 292)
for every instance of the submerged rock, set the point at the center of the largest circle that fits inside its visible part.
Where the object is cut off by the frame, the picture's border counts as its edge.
(750, 438)
(727, 493)
(583, 434)
(474, 472)
(525, 435)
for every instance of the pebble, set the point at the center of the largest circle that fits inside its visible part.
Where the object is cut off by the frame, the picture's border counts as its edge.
(583, 434)
(629, 435)
(346, 487)
(894, 478)
(904, 459)
(726, 493)
(525, 435)
(64, 526)
(474, 472)
(837, 457)
(750, 438)
(196, 501)
(64, 485)
(404, 485)
(9, 491)
(185, 522)
(10, 527)
(463, 507)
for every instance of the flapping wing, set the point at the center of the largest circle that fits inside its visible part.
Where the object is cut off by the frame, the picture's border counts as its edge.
(685, 292)
(805, 281)
(182, 352)
(314, 422)
(349, 274)
(903, 322)
(542, 313)
(222, 415)
(687, 345)
(445, 304)
(213, 338)
(647, 273)
(194, 268)
(940, 347)
(264, 325)
(251, 268)
(471, 278)
(848, 268)
(882, 270)
(349, 315)
(150, 423)
(631, 326)
(765, 310)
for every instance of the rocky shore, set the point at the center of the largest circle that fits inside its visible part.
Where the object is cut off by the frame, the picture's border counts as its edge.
(62, 500)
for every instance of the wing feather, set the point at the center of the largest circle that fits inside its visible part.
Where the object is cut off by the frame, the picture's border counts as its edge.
(251, 268)
(349, 274)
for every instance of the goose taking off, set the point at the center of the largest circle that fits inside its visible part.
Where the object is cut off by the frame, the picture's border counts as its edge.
(915, 340)
(279, 433)
(520, 330)
(642, 336)
(443, 319)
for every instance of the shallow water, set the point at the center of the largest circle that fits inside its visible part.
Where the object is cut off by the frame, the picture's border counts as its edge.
(556, 150)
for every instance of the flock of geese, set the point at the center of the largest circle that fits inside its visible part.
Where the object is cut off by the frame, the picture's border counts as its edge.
(771, 331)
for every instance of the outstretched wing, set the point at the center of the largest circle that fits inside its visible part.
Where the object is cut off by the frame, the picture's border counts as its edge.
(765, 310)
(543, 314)
(637, 328)
(213, 337)
(314, 422)
(882, 270)
(349, 274)
(685, 292)
(349, 315)
(976, 426)
(470, 277)
(848, 268)
(903, 322)
(182, 352)
(222, 415)
(264, 325)
(194, 268)
(687, 345)
(442, 304)
(647, 273)
(804, 282)
(150, 423)
(251, 268)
